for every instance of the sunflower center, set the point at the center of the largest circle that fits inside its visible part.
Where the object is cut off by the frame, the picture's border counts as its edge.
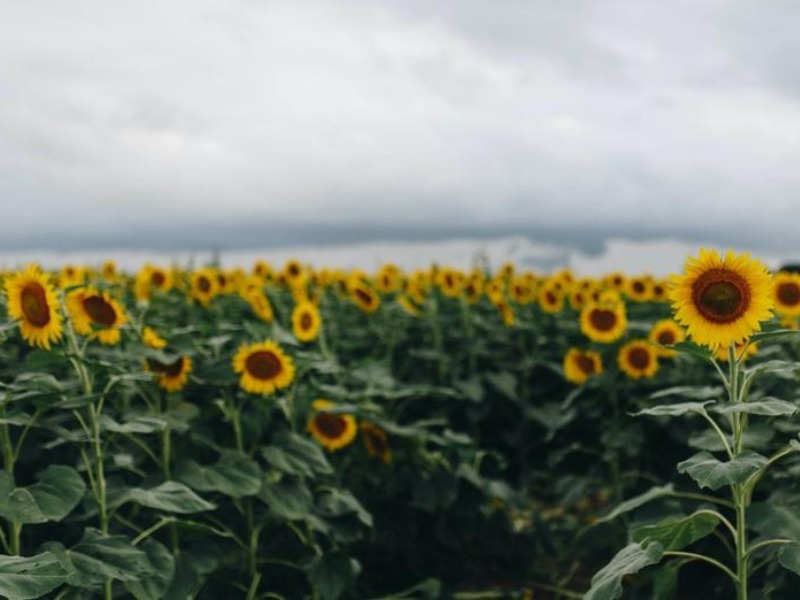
(788, 294)
(666, 338)
(638, 287)
(264, 365)
(603, 319)
(306, 321)
(34, 304)
(585, 364)
(550, 297)
(204, 284)
(720, 295)
(174, 369)
(364, 296)
(329, 425)
(158, 279)
(639, 358)
(100, 311)
(376, 441)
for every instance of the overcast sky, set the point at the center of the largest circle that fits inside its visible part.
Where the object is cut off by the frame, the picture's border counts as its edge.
(197, 123)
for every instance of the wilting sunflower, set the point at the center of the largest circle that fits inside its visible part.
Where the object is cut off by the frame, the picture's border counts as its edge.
(604, 321)
(204, 285)
(376, 442)
(96, 314)
(579, 365)
(306, 321)
(264, 367)
(722, 300)
(638, 359)
(261, 306)
(151, 339)
(32, 300)
(666, 333)
(333, 431)
(787, 293)
(365, 297)
(743, 352)
(173, 376)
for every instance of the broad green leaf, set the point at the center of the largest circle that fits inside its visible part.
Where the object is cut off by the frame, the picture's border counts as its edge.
(634, 503)
(504, 382)
(288, 499)
(607, 583)
(692, 349)
(170, 496)
(789, 557)
(23, 577)
(155, 585)
(690, 392)
(296, 455)
(233, 474)
(338, 502)
(773, 366)
(775, 334)
(757, 436)
(665, 580)
(140, 424)
(674, 410)
(57, 493)
(551, 416)
(775, 520)
(712, 473)
(674, 534)
(330, 575)
(769, 407)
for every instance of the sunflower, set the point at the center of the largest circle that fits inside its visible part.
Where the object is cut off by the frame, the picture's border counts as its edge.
(743, 352)
(264, 367)
(306, 321)
(376, 442)
(659, 291)
(204, 285)
(261, 306)
(151, 339)
(171, 376)
(450, 282)
(639, 289)
(473, 289)
(263, 270)
(109, 270)
(151, 278)
(666, 333)
(638, 359)
(388, 279)
(293, 272)
(407, 304)
(580, 365)
(96, 315)
(722, 300)
(32, 300)
(551, 297)
(615, 281)
(787, 293)
(333, 431)
(604, 321)
(365, 297)
(70, 276)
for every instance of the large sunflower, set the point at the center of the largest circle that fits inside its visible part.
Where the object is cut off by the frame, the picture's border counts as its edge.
(96, 314)
(580, 365)
(787, 293)
(32, 300)
(264, 367)
(333, 431)
(638, 359)
(306, 321)
(173, 376)
(604, 321)
(666, 333)
(376, 442)
(722, 300)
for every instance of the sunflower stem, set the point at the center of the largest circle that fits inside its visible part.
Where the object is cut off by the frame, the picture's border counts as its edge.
(741, 494)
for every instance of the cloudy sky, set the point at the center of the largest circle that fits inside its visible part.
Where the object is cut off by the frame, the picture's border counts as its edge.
(255, 123)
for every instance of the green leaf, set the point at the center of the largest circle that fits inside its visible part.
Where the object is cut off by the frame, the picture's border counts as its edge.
(234, 475)
(23, 577)
(607, 583)
(170, 496)
(505, 383)
(58, 492)
(674, 534)
(690, 392)
(789, 557)
(674, 410)
(712, 473)
(330, 575)
(757, 435)
(634, 503)
(773, 366)
(665, 580)
(337, 502)
(154, 586)
(773, 520)
(775, 334)
(769, 407)
(140, 424)
(692, 349)
(296, 455)
(288, 499)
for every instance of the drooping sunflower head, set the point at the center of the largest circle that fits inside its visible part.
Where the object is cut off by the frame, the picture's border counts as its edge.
(603, 321)
(96, 314)
(151, 339)
(579, 365)
(666, 333)
(365, 297)
(332, 430)
(306, 321)
(376, 442)
(786, 288)
(638, 359)
(264, 367)
(32, 300)
(173, 376)
(408, 306)
(722, 300)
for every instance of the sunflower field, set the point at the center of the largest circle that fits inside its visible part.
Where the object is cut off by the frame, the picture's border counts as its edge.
(290, 432)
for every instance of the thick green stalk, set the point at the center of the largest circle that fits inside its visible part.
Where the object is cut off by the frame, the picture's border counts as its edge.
(741, 495)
